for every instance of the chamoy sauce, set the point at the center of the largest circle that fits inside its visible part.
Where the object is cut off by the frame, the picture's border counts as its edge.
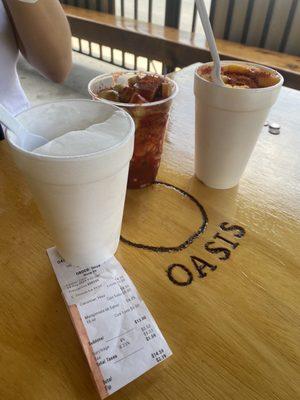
(147, 97)
(242, 76)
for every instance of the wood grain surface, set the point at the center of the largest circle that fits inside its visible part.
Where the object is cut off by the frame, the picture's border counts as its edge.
(234, 333)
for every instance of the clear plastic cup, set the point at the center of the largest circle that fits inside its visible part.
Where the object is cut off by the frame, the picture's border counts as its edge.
(150, 126)
(80, 197)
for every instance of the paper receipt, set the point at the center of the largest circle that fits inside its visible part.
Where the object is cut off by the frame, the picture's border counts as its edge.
(118, 334)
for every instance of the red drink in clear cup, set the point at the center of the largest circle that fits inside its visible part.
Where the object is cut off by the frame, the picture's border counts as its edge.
(148, 98)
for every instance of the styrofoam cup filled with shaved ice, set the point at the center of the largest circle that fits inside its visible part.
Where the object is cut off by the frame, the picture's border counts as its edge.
(79, 177)
(148, 99)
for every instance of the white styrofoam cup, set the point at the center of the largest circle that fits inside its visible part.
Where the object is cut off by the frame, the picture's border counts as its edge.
(80, 197)
(228, 122)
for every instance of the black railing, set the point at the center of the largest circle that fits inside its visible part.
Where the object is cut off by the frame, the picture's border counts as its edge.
(222, 13)
(99, 5)
(168, 15)
(278, 27)
(171, 13)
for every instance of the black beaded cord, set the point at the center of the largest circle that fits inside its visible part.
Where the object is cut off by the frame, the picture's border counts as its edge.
(189, 240)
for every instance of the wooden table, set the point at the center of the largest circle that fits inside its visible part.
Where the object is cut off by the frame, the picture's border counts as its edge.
(234, 329)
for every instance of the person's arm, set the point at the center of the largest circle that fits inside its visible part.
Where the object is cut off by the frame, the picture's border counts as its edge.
(43, 35)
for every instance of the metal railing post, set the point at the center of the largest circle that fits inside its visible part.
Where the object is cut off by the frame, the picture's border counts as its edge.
(172, 14)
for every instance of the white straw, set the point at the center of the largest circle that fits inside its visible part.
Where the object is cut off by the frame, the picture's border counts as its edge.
(216, 73)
